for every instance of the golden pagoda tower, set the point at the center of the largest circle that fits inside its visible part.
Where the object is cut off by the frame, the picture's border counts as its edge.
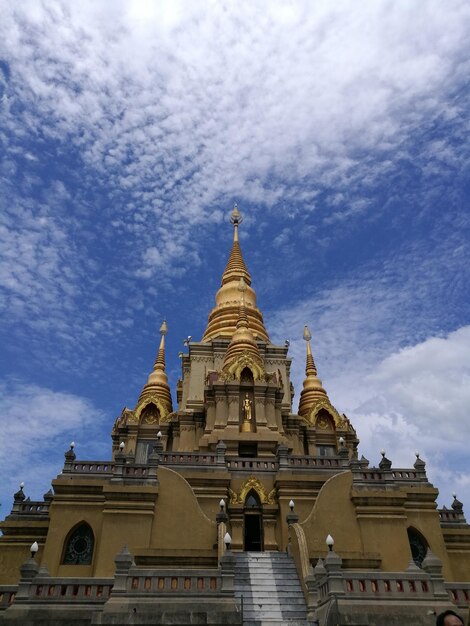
(223, 317)
(157, 390)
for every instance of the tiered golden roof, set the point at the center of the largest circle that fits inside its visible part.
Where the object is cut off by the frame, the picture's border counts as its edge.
(313, 392)
(157, 389)
(243, 350)
(223, 317)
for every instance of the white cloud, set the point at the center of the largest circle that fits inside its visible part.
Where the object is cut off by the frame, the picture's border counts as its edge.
(37, 426)
(193, 102)
(414, 399)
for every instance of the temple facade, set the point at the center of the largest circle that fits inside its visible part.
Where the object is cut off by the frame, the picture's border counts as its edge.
(196, 499)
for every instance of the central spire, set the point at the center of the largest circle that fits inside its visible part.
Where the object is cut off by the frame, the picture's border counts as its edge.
(224, 316)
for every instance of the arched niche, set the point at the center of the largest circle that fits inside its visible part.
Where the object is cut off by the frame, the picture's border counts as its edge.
(324, 421)
(79, 545)
(150, 414)
(247, 378)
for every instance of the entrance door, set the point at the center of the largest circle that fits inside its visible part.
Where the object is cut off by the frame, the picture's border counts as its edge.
(253, 532)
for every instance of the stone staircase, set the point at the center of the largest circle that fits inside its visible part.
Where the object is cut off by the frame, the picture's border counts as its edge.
(270, 588)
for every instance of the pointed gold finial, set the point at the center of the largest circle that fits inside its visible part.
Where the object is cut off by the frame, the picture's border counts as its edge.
(310, 368)
(307, 333)
(160, 360)
(236, 218)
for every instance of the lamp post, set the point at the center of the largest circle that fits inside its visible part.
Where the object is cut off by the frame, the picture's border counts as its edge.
(330, 542)
(291, 518)
(227, 541)
(34, 548)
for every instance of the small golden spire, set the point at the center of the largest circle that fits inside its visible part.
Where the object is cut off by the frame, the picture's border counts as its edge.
(312, 390)
(157, 382)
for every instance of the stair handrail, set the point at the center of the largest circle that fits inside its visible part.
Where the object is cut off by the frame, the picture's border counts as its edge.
(299, 551)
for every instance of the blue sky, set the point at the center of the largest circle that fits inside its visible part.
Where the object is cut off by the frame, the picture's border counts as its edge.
(129, 129)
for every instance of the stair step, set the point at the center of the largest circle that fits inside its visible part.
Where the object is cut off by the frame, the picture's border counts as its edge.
(272, 594)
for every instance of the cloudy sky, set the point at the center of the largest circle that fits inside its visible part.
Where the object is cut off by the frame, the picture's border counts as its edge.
(129, 129)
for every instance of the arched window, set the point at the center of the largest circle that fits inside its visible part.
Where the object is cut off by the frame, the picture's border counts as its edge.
(418, 546)
(79, 546)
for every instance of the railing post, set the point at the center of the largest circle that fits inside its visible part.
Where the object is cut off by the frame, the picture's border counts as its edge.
(333, 564)
(29, 571)
(227, 569)
(70, 457)
(119, 464)
(433, 566)
(282, 452)
(123, 562)
(220, 452)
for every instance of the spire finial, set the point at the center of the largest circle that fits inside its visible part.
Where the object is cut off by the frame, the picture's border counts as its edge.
(310, 368)
(307, 333)
(236, 218)
(160, 360)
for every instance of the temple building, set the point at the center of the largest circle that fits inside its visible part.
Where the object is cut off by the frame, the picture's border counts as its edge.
(235, 506)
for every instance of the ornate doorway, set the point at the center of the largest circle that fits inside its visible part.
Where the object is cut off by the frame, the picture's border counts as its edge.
(253, 523)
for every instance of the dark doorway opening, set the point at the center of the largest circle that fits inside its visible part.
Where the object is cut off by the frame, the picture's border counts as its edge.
(253, 532)
(248, 450)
